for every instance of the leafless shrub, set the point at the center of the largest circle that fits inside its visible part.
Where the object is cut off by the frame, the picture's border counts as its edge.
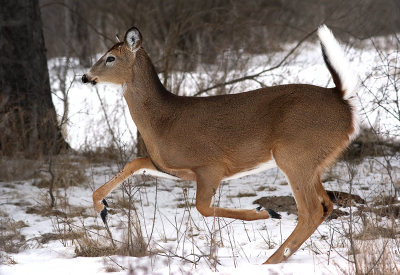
(61, 172)
(66, 173)
(371, 239)
(11, 239)
(134, 243)
(385, 94)
(61, 69)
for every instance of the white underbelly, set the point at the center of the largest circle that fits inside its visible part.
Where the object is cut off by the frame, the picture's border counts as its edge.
(261, 167)
(155, 173)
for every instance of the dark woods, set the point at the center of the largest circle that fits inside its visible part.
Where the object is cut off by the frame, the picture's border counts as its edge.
(196, 31)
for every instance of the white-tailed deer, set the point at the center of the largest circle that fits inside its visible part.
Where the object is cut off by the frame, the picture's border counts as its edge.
(300, 128)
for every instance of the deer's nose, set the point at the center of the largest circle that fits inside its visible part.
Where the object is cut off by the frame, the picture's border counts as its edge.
(85, 79)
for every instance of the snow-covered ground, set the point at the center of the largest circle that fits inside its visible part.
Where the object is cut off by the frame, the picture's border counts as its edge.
(180, 237)
(181, 240)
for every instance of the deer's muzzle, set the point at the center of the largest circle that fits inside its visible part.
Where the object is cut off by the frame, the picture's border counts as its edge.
(85, 79)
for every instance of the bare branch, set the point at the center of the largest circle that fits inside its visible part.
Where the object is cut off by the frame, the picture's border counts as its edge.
(254, 76)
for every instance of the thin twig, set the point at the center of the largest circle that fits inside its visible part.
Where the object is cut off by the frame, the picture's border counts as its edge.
(253, 76)
(109, 234)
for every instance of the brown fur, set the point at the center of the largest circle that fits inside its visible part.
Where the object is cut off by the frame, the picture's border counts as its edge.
(303, 127)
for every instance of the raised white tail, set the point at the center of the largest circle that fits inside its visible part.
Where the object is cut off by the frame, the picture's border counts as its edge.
(344, 77)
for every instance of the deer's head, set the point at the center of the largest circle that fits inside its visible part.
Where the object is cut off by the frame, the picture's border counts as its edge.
(115, 66)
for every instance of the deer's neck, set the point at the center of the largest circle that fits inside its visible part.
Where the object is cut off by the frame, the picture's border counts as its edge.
(147, 98)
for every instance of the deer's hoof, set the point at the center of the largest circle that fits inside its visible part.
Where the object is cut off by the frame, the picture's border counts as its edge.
(103, 215)
(273, 214)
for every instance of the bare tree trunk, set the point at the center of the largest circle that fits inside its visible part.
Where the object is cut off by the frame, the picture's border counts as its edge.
(28, 121)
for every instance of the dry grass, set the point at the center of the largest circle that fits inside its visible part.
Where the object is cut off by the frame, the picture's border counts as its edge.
(185, 205)
(373, 232)
(122, 202)
(374, 257)
(87, 247)
(6, 260)
(88, 244)
(64, 236)
(245, 194)
(372, 249)
(266, 188)
(11, 239)
(110, 268)
(133, 245)
(371, 237)
(45, 211)
(66, 173)
(101, 155)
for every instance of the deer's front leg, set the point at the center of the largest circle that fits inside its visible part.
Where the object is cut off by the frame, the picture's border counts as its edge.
(130, 168)
(207, 184)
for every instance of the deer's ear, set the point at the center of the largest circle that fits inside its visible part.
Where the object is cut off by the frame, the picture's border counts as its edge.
(133, 39)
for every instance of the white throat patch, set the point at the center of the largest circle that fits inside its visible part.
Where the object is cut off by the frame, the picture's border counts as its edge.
(123, 88)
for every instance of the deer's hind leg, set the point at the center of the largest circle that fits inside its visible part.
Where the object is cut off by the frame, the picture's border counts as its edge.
(313, 204)
(208, 179)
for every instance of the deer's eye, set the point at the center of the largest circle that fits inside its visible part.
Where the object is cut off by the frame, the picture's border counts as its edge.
(110, 59)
